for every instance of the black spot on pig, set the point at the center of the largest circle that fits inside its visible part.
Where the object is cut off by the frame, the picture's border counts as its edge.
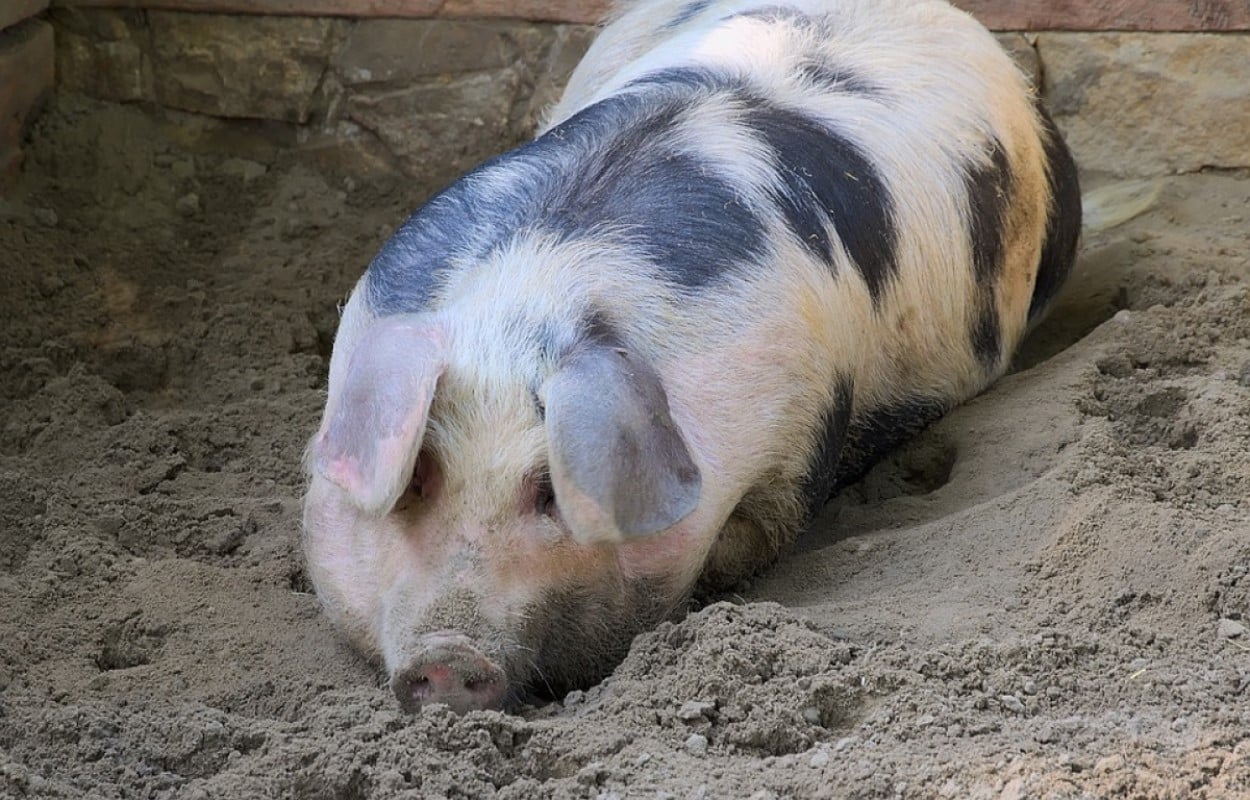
(986, 334)
(827, 180)
(630, 180)
(778, 14)
(463, 221)
(825, 75)
(587, 649)
(688, 12)
(989, 194)
(989, 187)
(611, 170)
(823, 472)
(875, 433)
(669, 205)
(1063, 223)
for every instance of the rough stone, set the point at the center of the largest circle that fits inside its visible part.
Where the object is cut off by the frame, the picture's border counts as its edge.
(438, 130)
(1107, 91)
(1020, 47)
(567, 48)
(1231, 629)
(403, 51)
(14, 11)
(251, 67)
(26, 77)
(345, 147)
(100, 52)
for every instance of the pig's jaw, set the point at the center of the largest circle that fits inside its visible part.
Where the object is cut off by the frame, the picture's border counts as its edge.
(500, 651)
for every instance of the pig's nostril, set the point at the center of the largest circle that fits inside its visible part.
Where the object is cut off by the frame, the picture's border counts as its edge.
(457, 676)
(419, 689)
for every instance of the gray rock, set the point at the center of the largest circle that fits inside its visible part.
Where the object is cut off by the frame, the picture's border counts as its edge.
(241, 66)
(696, 744)
(1143, 104)
(102, 53)
(438, 130)
(399, 52)
(243, 169)
(693, 710)
(1231, 629)
(1020, 47)
(188, 205)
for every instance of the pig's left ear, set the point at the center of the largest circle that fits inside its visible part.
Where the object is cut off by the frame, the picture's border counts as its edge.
(372, 430)
(619, 466)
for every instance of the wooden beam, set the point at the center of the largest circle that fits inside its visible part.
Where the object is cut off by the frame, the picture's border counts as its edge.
(1111, 15)
(1005, 15)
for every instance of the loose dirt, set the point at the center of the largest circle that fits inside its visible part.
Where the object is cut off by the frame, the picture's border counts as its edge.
(1046, 594)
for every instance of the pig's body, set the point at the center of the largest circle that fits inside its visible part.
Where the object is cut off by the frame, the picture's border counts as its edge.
(756, 246)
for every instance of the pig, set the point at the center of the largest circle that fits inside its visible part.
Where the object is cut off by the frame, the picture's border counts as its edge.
(754, 246)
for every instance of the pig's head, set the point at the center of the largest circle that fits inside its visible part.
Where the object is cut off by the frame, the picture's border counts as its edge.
(491, 524)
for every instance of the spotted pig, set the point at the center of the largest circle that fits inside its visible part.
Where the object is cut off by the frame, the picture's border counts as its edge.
(755, 245)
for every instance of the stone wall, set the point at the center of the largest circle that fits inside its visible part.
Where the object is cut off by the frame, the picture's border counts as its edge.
(432, 96)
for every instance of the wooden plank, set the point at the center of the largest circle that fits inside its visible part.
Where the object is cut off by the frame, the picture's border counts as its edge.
(1005, 15)
(579, 11)
(1111, 15)
(14, 11)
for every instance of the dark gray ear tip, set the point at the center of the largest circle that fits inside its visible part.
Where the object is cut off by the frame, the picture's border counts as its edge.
(680, 501)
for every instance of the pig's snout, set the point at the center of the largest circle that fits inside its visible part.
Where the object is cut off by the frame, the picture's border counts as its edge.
(446, 668)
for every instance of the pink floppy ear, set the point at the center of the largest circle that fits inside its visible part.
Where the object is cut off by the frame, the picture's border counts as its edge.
(619, 466)
(374, 422)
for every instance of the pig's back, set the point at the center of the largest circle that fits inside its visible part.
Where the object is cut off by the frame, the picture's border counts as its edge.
(836, 207)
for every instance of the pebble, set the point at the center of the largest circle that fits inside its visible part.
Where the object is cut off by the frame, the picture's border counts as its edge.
(1231, 629)
(574, 697)
(188, 205)
(696, 744)
(1108, 764)
(248, 171)
(820, 759)
(1047, 734)
(693, 710)
(812, 715)
(1011, 703)
(45, 216)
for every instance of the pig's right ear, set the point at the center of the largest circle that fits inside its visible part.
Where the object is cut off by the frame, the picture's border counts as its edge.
(619, 466)
(371, 433)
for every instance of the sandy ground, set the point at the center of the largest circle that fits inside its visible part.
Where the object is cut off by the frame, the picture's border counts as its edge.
(1045, 595)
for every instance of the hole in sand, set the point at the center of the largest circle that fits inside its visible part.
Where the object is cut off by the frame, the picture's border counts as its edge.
(921, 466)
(131, 643)
(1093, 295)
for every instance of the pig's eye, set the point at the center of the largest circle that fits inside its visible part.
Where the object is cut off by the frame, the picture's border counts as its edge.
(424, 482)
(544, 496)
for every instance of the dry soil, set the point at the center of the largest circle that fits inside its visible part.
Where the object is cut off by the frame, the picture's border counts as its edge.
(1047, 594)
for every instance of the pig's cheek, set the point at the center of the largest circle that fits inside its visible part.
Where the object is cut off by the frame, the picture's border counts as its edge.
(676, 555)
